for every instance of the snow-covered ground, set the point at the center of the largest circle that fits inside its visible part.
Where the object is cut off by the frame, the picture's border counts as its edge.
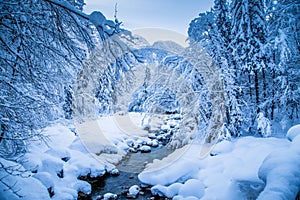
(89, 149)
(54, 166)
(246, 167)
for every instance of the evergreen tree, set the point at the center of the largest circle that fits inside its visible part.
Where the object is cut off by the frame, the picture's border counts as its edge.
(283, 22)
(248, 47)
(227, 65)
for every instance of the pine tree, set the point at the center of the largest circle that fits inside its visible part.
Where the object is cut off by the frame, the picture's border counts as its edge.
(227, 65)
(248, 44)
(283, 52)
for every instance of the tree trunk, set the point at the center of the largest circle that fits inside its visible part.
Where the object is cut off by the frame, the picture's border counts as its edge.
(265, 91)
(256, 85)
(273, 96)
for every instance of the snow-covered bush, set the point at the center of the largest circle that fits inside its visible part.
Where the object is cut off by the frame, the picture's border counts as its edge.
(263, 125)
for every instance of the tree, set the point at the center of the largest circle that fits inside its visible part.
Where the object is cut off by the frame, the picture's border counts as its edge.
(248, 48)
(283, 52)
(42, 46)
(228, 66)
(212, 30)
(39, 56)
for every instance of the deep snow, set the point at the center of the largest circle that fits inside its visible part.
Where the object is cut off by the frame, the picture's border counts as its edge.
(243, 168)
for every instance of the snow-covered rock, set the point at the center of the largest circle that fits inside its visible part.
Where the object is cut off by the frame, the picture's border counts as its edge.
(114, 172)
(281, 172)
(130, 142)
(168, 191)
(45, 178)
(51, 164)
(222, 147)
(153, 143)
(192, 187)
(179, 197)
(151, 136)
(134, 190)
(82, 186)
(293, 132)
(110, 196)
(145, 149)
(165, 127)
(62, 153)
(132, 150)
(172, 123)
(31, 162)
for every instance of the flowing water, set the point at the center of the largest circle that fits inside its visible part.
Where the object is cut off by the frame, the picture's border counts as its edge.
(129, 168)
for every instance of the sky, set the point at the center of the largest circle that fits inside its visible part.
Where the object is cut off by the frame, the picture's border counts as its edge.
(174, 15)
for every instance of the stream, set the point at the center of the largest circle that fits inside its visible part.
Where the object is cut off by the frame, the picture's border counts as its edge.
(129, 168)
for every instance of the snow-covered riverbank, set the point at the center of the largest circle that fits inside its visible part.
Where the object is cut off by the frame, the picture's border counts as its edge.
(51, 169)
(246, 167)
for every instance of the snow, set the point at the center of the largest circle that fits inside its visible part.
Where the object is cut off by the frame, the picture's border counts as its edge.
(28, 188)
(263, 125)
(25, 185)
(45, 178)
(227, 170)
(145, 149)
(134, 190)
(56, 165)
(293, 132)
(281, 170)
(169, 191)
(171, 168)
(242, 168)
(109, 196)
(192, 188)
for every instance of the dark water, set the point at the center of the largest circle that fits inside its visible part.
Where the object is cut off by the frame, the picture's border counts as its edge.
(129, 168)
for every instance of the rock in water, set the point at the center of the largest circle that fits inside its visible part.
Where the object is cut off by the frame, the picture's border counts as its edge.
(145, 149)
(110, 196)
(151, 136)
(165, 128)
(133, 191)
(115, 172)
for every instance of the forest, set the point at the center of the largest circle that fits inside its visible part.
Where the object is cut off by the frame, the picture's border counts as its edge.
(237, 80)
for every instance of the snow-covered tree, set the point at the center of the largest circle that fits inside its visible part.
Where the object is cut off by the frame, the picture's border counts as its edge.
(213, 31)
(248, 48)
(40, 53)
(43, 44)
(255, 44)
(283, 51)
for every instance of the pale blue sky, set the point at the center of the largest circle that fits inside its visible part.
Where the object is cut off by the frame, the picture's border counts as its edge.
(174, 15)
